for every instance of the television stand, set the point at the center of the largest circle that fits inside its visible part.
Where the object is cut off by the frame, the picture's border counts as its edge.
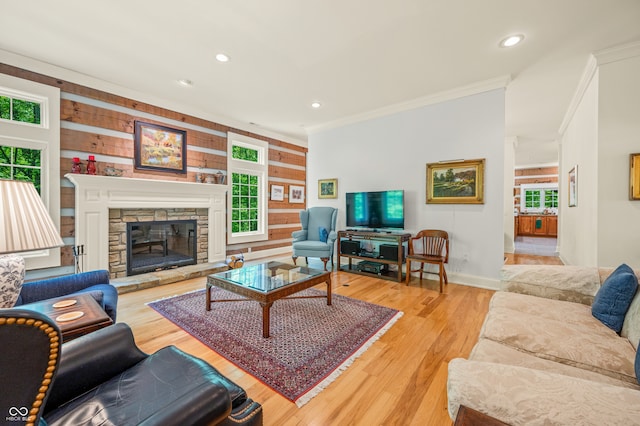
(386, 257)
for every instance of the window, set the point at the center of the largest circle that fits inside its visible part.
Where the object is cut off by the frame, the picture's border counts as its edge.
(248, 168)
(538, 197)
(21, 164)
(30, 148)
(28, 110)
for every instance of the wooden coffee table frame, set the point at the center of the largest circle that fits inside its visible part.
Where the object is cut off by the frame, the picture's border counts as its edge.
(266, 298)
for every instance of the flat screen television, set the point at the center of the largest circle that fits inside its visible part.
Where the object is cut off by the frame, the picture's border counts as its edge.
(376, 210)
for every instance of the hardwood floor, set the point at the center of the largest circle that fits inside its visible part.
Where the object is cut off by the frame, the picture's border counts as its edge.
(399, 380)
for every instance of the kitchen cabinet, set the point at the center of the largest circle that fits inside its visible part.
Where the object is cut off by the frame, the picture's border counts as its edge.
(538, 225)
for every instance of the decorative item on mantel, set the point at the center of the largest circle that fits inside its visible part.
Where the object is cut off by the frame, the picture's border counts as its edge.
(112, 171)
(91, 165)
(76, 167)
(220, 177)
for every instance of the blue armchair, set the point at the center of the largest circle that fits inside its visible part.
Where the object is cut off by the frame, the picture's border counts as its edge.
(95, 282)
(318, 234)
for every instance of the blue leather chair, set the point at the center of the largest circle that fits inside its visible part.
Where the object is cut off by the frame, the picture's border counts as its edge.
(95, 283)
(318, 234)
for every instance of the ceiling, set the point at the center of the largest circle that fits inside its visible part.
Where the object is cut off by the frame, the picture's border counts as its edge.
(353, 56)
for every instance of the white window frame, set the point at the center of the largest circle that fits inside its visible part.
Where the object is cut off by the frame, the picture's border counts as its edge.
(45, 137)
(536, 187)
(260, 169)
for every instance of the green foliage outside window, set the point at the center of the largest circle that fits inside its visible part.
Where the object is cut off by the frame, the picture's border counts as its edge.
(541, 198)
(20, 164)
(244, 203)
(19, 110)
(247, 154)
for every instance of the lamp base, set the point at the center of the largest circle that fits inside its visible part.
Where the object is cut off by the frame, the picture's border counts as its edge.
(12, 271)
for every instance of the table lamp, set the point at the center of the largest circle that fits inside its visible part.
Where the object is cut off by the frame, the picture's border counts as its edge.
(25, 225)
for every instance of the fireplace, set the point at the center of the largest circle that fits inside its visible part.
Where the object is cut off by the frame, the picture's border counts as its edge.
(103, 204)
(158, 245)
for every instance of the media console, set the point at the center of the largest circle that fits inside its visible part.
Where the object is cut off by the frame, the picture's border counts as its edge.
(374, 251)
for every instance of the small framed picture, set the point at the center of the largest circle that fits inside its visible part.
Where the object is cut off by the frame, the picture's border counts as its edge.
(277, 193)
(573, 186)
(328, 188)
(296, 194)
(634, 177)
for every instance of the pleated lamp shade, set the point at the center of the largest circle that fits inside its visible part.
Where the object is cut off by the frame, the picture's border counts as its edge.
(25, 224)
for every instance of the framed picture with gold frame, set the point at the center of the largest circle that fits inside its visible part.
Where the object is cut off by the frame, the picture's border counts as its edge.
(327, 188)
(456, 182)
(634, 176)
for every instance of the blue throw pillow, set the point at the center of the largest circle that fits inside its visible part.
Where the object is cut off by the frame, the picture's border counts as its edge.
(324, 235)
(614, 297)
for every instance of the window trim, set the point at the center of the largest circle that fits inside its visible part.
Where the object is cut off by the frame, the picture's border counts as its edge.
(43, 101)
(259, 169)
(533, 187)
(46, 137)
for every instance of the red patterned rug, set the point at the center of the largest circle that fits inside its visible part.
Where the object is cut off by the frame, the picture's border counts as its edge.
(310, 344)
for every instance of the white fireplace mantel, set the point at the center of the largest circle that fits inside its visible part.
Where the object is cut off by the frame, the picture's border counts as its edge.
(95, 195)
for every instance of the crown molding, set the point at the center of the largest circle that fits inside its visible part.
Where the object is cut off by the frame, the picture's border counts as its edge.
(460, 92)
(618, 53)
(601, 57)
(55, 71)
(583, 84)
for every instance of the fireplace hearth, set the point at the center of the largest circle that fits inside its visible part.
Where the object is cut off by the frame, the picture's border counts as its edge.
(159, 245)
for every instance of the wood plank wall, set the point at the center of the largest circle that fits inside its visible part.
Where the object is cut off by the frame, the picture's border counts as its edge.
(98, 123)
(532, 175)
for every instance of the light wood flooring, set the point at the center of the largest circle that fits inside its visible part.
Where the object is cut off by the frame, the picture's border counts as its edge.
(399, 380)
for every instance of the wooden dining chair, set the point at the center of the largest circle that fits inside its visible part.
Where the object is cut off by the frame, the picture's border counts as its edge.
(429, 246)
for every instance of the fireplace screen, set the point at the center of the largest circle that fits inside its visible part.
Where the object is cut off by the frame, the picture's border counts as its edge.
(158, 245)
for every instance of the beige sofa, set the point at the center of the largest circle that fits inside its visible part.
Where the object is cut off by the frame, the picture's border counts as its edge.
(543, 359)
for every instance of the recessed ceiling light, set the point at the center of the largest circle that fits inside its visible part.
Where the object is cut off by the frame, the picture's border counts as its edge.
(186, 83)
(512, 40)
(221, 57)
(316, 105)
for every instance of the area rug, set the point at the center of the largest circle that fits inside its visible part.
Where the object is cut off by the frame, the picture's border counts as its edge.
(310, 345)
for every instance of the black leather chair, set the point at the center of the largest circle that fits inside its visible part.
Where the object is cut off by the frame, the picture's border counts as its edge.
(29, 357)
(104, 378)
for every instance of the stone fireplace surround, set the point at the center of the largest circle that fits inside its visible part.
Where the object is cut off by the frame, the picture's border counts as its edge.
(96, 195)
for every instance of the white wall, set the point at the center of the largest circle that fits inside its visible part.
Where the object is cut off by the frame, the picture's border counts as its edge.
(618, 136)
(600, 135)
(577, 225)
(391, 152)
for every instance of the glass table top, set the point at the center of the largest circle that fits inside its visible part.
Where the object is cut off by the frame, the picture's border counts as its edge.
(267, 276)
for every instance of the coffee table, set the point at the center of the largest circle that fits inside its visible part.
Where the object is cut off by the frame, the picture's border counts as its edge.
(60, 309)
(266, 283)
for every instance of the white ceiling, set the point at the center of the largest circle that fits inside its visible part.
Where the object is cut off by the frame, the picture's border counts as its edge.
(353, 56)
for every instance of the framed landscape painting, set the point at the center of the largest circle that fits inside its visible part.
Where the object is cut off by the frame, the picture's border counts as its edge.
(160, 148)
(456, 182)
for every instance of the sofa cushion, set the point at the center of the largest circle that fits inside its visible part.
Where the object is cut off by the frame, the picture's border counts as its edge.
(637, 366)
(526, 396)
(614, 297)
(569, 283)
(578, 340)
(489, 351)
(631, 325)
